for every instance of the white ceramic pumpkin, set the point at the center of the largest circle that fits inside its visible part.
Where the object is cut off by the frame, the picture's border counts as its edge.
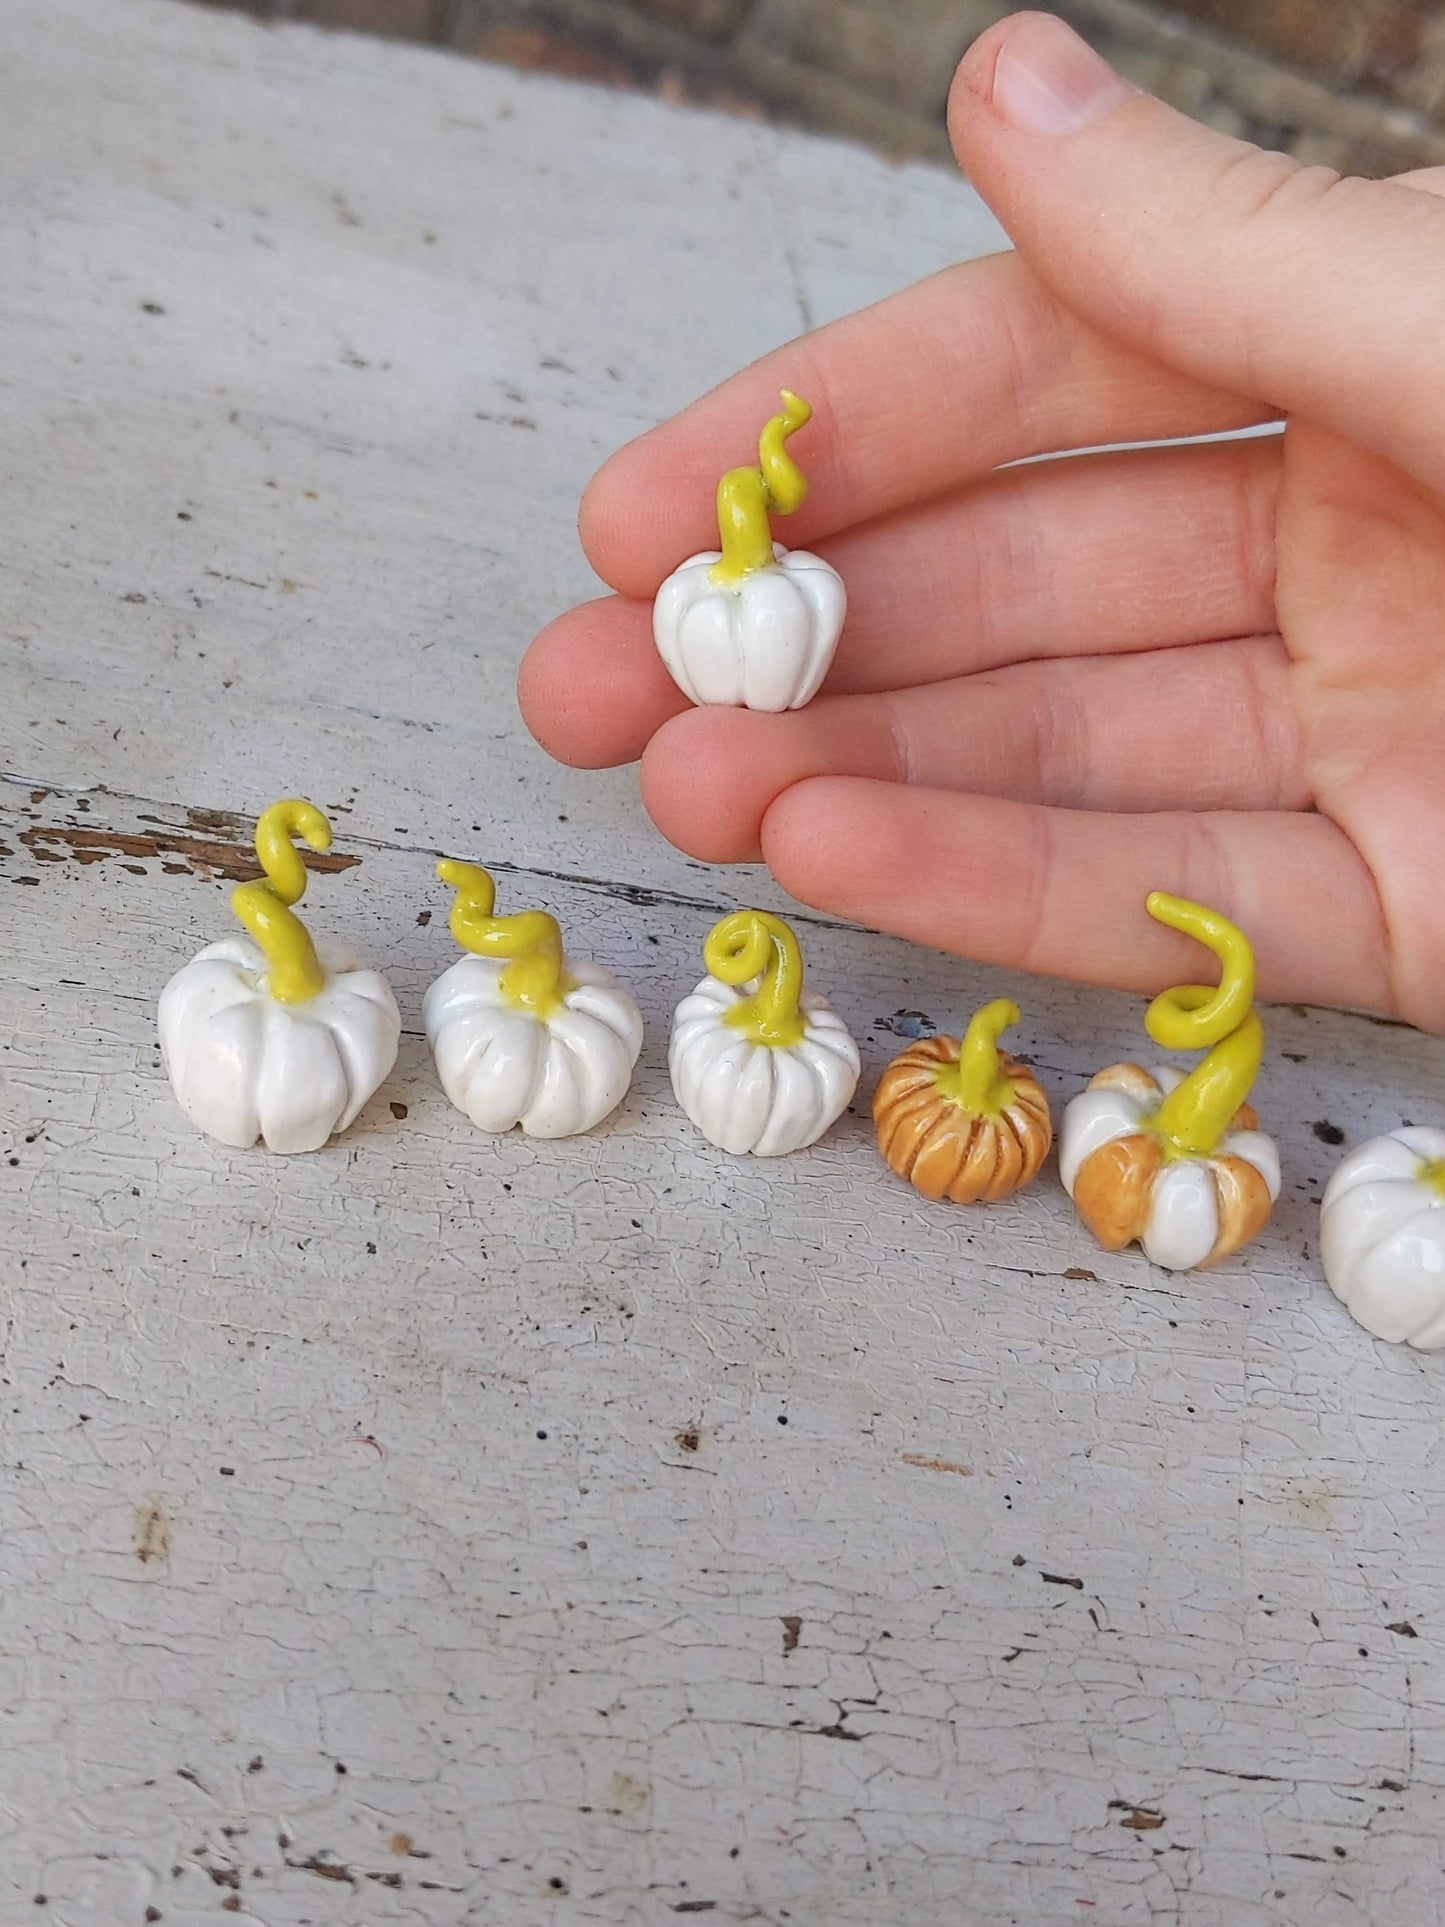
(1178, 1162)
(271, 1037)
(522, 1035)
(752, 624)
(759, 1062)
(764, 642)
(1382, 1236)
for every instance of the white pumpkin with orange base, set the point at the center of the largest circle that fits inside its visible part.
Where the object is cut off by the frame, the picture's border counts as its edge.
(1178, 1163)
(1185, 1211)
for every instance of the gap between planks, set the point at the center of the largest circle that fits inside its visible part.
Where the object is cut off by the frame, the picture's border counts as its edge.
(640, 894)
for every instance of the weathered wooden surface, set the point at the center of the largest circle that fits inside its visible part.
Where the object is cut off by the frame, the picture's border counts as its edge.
(438, 1531)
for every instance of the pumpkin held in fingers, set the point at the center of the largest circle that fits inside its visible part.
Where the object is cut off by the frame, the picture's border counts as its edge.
(751, 623)
(964, 1121)
(1178, 1163)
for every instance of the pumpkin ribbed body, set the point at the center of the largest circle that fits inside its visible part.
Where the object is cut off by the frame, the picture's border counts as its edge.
(754, 1098)
(765, 642)
(1187, 1212)
(947, 1151)
(503, 1066)
(245, 1066)
(1382, 1236)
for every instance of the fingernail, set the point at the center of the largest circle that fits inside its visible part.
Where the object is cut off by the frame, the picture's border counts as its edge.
(1046, 80)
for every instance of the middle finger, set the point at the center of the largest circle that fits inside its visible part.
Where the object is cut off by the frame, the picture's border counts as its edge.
(1101, 554)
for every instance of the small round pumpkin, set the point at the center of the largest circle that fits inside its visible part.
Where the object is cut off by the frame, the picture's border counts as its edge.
(522, 1034)
(761, 1064)
(1382, 1236)
(1178, 1162)
(964, 1121)
(271, 1036)
(1130, 1183)
(749, 623)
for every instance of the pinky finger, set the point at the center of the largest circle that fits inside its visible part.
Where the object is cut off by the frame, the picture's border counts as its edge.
(1062, 891)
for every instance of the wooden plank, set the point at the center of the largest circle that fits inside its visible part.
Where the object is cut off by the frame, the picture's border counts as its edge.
(437, 1530)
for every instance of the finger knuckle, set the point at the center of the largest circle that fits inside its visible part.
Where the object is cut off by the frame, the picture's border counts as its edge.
(1257, 185)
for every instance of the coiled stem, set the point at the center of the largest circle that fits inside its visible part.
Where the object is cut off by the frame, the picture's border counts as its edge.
(536, 978)
(752, 943)
(746, 496)
(1197, 1113)
(293, 971)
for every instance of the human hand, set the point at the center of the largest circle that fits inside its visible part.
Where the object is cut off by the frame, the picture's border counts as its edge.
(1217, 670)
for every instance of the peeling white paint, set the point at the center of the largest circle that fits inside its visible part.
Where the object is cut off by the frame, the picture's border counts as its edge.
(416, 1410)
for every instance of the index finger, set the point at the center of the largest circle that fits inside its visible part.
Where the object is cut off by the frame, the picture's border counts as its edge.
(977, 366)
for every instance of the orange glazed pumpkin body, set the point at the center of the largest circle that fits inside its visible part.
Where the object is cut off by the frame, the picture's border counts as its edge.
(946, 1149)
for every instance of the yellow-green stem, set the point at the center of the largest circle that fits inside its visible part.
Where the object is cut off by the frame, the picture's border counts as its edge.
(1197, 1112)
(752, 943)
(976, 1083)
(536, 978)
(747, 496)
(293, 971)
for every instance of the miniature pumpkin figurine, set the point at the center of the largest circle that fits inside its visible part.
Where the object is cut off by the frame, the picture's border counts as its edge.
(964, 1121)
(1179, 1163)
(759, 1062)
(273, 1036)
(751, 624)
(522, 1035)
(1382, 1236)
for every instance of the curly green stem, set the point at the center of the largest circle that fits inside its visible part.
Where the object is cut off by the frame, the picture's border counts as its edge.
(1197, 1112)
(749, 944)
(977, 1083)
(536, 978)
(746, 496)
(293, 971)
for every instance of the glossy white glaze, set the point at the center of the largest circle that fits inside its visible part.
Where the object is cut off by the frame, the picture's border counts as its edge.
(503, 1067)
(763, 643)
(760, 1098)
(245, 1067)
(1382, 1237)
(1183, 1218)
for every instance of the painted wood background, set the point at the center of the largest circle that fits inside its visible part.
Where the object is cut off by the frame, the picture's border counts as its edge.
(437, 1530)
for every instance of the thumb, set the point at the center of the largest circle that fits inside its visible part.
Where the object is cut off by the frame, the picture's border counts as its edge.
(1309, 293)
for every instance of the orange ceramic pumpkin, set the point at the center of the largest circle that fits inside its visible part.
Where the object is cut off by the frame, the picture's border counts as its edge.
(963, 1121)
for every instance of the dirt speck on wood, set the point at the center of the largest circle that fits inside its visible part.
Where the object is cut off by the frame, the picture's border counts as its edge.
(927, 1464)
(151, 1533)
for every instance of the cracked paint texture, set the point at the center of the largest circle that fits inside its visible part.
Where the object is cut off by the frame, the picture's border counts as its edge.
(437, 1530)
